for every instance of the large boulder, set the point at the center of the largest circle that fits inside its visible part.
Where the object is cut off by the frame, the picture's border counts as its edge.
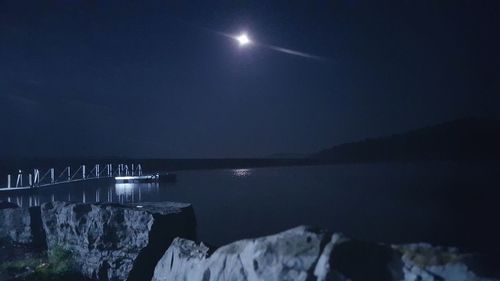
(423, 262)
(304, 254)
(290, 255)
(116, 242)
(21, 225)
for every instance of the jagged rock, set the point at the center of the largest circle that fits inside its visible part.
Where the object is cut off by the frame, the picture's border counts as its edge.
(306, 254)
(290, 255)
(21, 225)
(422, 262)
(184, 260)
(116, 242)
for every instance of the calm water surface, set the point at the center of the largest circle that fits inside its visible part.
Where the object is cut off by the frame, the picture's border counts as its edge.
(443, 203)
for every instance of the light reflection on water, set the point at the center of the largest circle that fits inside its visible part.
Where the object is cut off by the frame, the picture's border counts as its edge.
(242, 172)
(117, 193)
(391, 203)
(104, 193)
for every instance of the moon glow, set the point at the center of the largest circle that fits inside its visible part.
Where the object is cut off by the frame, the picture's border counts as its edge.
(243, 39)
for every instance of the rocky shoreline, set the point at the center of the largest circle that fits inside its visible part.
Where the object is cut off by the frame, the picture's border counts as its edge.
(106, 241)
(157, 241)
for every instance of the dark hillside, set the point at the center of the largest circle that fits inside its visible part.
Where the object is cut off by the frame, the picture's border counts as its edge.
(460, 140)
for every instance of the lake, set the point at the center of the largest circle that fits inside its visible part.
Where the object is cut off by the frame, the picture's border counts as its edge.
(443, 203)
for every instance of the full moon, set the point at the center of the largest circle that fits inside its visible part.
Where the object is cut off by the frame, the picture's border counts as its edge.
(243, 39)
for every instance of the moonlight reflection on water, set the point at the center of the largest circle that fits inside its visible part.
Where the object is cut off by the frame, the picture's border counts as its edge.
(242, 172)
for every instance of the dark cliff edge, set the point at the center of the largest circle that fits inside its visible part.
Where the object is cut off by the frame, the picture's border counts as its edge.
(459, 140)
(164, 230)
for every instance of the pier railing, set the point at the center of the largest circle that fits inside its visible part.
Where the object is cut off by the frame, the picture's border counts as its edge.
(39, 178)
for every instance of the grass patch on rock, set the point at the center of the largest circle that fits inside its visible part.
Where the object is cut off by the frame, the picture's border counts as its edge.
(56, 265)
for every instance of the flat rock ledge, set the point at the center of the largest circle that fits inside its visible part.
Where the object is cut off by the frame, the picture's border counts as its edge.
(304, 253)
(106, 241)
(116, 242)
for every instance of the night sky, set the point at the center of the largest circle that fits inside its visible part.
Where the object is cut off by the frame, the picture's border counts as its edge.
(155, 79)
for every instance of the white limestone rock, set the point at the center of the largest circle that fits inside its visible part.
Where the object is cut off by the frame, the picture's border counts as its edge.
(290, 255)
(116, 242)
(306, 254)
(423, 262)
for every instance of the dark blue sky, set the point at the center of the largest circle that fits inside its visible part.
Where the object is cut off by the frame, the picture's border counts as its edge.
(146, 78)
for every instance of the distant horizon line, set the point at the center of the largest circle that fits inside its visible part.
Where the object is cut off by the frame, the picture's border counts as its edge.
(270, 156)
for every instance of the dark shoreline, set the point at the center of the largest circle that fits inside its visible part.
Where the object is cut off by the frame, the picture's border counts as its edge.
(162, 251)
